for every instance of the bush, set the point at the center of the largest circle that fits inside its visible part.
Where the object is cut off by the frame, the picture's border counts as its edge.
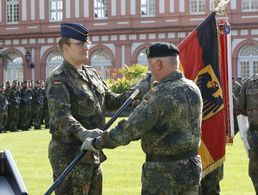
(130, 76)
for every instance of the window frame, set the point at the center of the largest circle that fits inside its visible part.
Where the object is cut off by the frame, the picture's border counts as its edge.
(197, 2)
(57, 10)
(12, 4)
(249, 2)
(149, 5)
(99, 9)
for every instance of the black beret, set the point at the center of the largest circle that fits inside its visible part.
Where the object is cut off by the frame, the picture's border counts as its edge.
(75, 31)
(162, 50)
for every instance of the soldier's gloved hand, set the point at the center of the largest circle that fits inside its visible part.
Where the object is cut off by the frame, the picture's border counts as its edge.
(144, 85)
(93, 133)
(87, 145)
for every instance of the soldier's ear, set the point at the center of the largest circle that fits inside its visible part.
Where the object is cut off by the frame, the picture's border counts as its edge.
(159, 64)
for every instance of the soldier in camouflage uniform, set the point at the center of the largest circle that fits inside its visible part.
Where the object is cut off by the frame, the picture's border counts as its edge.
(236, 88)
(14, 100)
(25, 106)
(45, 115)
(168, 122)
(210, 183)
(3, 108)
(248, 106)
(77, 99)
(37, 105)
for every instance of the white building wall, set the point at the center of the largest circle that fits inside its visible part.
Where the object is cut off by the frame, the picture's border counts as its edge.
(86, 8)
(113, 7)
(41, 9)
(132, 7)
(24, 10)
(77, 9)
(32, 9)
(161, 6)
(68, 8)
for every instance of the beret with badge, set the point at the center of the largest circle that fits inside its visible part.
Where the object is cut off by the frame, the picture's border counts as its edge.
(75, 31)
(162, 49)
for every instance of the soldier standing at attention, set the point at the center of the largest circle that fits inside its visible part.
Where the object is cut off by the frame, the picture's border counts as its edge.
(14, 100)
(3, 108)
(248, 106)
(37, 104)
(168, 122)
(77, 99)
(25, 106)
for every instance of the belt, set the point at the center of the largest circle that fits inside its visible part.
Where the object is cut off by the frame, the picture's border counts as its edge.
(65, 140)
(167, 158)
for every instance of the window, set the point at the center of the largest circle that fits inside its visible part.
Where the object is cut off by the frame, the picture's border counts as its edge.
(197, 6)
(12, 11)
(102, 63)
(53, 60)
(148, 7)
(55, 10)
(249, 5)
(13, 70)
(142, 58)
(248, 61)
(100, 9)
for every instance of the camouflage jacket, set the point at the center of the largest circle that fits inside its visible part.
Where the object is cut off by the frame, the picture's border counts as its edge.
(26, 97)
(248, 104)
(3, 102)
(37, 96)
(77, 101)
(168, 120)
(14, 96)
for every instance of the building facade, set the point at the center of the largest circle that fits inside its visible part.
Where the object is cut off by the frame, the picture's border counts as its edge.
(120, 30)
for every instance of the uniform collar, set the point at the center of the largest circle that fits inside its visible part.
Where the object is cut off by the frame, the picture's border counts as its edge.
(72, 70)
(172, 76)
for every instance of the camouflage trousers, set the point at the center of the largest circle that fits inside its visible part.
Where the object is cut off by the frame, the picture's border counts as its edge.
(3, 120)
(210, 183)
(84, 179)
(172, 178)
(253, 161)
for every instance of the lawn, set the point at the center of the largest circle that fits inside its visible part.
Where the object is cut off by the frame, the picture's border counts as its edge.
(122, 170)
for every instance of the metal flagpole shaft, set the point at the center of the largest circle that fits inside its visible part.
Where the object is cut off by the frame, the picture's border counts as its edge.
(70, 167)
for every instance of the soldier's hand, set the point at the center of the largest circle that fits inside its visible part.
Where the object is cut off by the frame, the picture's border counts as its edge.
(87, 145)
(144, 85)
(93, 133)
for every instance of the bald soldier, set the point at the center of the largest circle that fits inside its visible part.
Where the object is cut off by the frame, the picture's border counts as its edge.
(168, 122)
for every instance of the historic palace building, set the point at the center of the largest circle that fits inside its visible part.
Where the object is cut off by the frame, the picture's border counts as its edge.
(120, 30)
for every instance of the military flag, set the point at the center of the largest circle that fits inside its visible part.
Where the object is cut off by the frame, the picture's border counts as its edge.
(200, 61)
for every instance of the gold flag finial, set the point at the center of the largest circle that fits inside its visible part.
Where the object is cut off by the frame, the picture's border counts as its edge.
(220, 7)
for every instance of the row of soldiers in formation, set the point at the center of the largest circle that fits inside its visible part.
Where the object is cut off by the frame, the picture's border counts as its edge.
(23, 105)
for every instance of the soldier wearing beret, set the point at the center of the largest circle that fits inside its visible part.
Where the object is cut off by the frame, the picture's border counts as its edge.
(168, 122)
(77, 99)
(248, 106)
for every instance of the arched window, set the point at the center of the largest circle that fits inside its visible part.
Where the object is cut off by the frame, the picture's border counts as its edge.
(248, 61)
(53, 60)
(13, 69)
(142, 58)
(101, 61)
